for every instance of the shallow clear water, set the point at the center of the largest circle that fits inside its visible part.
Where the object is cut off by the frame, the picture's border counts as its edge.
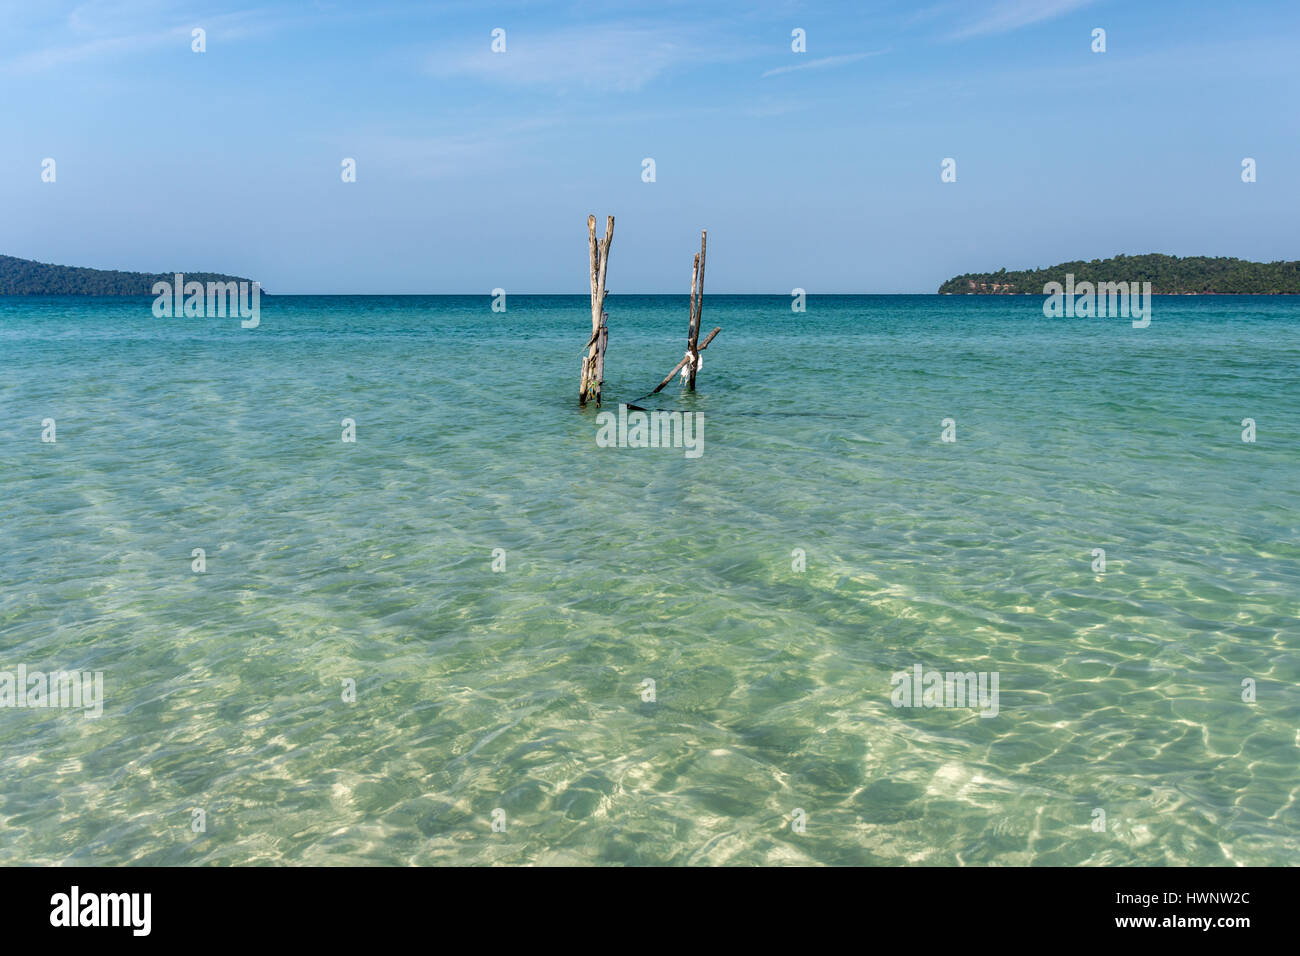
(522, 689)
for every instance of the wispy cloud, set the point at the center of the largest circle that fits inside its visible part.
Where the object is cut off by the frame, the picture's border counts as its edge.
(438, 155)
(1007, 15)
(621, 57)
(93, 31)
(823, 63)
(62, 54)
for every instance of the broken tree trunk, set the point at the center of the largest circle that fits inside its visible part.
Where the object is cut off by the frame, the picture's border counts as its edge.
(691, 360)
(697, 302)
(593, 363)
(601, 342)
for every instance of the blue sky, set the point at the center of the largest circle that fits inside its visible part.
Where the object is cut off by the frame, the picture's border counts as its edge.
(476, 170)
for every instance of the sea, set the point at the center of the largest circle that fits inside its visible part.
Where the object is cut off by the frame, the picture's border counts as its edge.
(950, 582)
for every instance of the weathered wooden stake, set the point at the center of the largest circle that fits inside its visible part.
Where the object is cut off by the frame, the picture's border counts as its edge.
(697, 302)
(593, 363)
(691, 360)
(601, 343)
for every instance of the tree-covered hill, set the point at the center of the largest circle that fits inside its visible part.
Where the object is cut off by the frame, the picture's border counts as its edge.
(1168, 275)
(25, 277)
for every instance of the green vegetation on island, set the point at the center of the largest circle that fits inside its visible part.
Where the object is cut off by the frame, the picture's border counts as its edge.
(1168, 275)
(25, 277)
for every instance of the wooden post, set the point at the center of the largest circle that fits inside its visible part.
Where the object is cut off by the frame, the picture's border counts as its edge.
(682, 364)
(593, 363)
(697, 307)
(601, 342)
(694, 346)
(695, 283)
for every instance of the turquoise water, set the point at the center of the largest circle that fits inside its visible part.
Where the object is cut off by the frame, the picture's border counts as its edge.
(521, 690)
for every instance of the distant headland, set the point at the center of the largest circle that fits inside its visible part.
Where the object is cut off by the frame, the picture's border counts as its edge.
(1168, 275)
(26, 277)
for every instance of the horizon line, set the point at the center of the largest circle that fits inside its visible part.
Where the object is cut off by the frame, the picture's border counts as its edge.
(489, 295)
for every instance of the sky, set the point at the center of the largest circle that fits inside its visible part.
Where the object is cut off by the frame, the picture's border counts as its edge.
(477, 169)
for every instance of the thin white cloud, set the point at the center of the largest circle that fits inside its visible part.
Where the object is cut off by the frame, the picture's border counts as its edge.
(52, 56)
(435, 156)
(1007, 15)
(826, 61)
(619, 57)
(99, 30)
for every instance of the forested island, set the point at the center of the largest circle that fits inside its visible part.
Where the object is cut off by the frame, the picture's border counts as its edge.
(1168, 275)
(25, 277)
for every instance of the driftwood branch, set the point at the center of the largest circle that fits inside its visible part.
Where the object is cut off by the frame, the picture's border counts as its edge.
(690, 361)
(709, 338)
(695, 288)
(682, 364)
(693, 334)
